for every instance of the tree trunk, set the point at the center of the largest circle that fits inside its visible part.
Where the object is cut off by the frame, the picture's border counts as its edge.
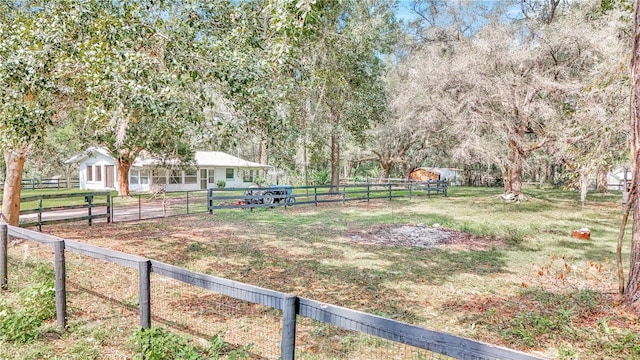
(335, 162)
(584, 185)
(262, 152)
(516, 162)
(602, 185)
(14, 162)
(631, 295)
(124, 164)
(467, 175)
(386, 170)
(506, 180)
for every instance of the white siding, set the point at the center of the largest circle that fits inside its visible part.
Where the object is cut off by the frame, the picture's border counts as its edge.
(97, 160)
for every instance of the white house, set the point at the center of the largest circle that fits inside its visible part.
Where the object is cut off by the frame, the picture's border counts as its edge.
(616, 178)
(98, 171)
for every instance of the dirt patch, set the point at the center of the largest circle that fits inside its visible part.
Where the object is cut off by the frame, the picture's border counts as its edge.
(423, 236)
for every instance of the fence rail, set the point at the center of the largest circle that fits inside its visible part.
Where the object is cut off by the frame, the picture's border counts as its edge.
(54, 213)
(48, 209)
(290, 305)
(47, 183)
(39, 210)
(306, 195)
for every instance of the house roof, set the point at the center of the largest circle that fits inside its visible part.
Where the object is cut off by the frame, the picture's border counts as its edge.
(201, 158)
(208, 158)
(87, 153)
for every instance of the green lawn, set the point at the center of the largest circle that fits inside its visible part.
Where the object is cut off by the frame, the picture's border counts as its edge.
(519, 279)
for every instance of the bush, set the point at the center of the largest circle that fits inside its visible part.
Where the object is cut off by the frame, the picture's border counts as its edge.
(322, 177)
(221, 184)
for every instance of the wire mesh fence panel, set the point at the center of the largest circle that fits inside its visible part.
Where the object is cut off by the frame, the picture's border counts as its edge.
(23, 259)
(244, 326)
(318, 340)
(103, 295)
(157, 205)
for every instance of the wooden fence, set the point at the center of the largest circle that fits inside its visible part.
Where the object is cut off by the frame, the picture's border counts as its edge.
(39, 210)
(290, 305)
(52, 183)
(46, 209)
(305, 195)
(89, 201)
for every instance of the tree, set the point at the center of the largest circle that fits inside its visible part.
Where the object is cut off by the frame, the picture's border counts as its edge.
(509, 88)
(36, 72)
(631, 293)
(416, 128)
(144, 84)
(343, 68)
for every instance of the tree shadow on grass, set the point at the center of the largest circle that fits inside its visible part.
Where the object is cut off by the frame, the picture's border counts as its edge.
(590, 251)
(436, 266)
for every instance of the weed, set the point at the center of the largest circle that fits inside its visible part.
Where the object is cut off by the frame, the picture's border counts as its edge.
(159, 344)
(36, 304)
(83, 349)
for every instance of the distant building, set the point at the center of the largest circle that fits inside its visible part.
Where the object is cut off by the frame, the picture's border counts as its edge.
(616, 178)
(97, 171)
(435, 174)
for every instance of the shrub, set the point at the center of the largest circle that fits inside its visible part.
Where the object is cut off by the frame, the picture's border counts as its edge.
(221, 184)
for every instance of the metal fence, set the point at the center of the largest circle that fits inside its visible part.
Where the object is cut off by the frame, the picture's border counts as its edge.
(277, 325)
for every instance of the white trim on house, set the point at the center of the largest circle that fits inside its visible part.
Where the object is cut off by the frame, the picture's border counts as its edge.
(209, 167)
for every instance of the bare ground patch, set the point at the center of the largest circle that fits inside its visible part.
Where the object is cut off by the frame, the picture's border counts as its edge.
(423, 236)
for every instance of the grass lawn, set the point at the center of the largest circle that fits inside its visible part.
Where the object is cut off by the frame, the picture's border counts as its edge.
(514, 276)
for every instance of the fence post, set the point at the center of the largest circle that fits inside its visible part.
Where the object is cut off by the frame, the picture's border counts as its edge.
(344, 193)
(210, 200)
(389, 191)
(368, 191)
(89, 200)
(315, 194)
(40, 214)
(289, 312)
(4, 230)
(144, 268)
(109, 219)
(410, 189)
(61, 291)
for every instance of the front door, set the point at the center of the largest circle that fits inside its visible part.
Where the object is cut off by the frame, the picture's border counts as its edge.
(109, 176)
(204, 176)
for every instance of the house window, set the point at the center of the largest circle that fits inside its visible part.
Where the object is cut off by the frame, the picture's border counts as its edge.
(229, 174)
(175, 177)
(98, 170)
(144, 177)
(249, 175)
(191, 176)
(134, 177)
(89, 173)
(212, 179)
(138, 177)
(159, 176)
